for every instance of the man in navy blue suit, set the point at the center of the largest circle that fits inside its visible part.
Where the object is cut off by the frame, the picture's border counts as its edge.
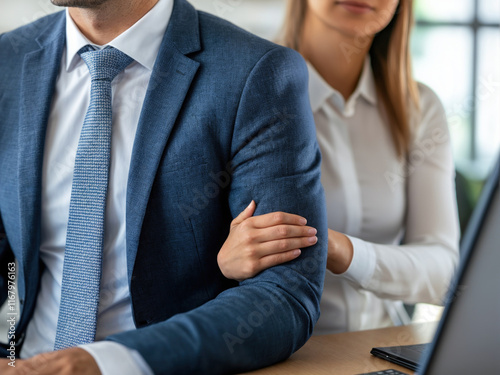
(132, 132)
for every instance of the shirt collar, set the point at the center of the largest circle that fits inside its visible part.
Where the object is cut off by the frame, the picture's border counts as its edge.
(141, 41)
(320, 91)
(366, 85)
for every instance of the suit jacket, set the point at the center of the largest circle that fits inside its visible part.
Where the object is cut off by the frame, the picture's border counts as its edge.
(226, 119)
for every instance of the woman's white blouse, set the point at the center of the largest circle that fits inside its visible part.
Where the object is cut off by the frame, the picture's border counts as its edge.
(400, 215)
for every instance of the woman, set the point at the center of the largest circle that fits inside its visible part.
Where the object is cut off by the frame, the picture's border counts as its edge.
(387, 170)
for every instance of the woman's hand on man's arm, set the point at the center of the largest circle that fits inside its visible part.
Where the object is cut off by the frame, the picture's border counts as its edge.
(257, 243)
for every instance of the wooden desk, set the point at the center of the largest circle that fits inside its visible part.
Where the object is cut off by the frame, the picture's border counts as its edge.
(349, 353)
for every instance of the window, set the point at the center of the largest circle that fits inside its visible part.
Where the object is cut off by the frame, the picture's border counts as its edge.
(456, 51)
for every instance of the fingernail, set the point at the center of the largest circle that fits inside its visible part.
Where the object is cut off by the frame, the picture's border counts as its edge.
(312, 231)
(312, 239)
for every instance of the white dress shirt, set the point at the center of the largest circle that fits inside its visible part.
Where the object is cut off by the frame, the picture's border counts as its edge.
(401, 216)
(71, 100)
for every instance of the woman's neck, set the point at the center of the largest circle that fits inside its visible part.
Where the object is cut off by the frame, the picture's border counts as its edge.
(337, 57)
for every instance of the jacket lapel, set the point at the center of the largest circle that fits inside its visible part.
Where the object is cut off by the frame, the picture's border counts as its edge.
(39, 74)
(168, 86)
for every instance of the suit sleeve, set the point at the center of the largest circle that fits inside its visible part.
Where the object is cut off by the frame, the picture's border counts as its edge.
(276, 162)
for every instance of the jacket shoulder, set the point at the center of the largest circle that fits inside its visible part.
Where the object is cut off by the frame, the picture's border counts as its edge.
(16, 44)
(24, 39)
(232, 42)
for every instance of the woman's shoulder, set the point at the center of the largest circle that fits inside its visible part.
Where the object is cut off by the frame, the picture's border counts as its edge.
(430, 113)
(428, 99)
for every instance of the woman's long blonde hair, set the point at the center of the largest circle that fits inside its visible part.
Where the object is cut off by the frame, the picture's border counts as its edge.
(391, 64)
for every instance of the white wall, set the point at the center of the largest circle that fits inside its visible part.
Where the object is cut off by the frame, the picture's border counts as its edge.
(262, 17)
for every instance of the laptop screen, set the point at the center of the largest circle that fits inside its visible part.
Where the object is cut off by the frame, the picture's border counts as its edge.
(468, 339)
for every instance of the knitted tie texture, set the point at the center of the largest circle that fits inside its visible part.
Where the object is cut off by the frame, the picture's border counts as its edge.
(77, 320)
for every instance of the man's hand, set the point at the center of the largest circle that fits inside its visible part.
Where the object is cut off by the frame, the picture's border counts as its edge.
(72, 361)
(257, 243)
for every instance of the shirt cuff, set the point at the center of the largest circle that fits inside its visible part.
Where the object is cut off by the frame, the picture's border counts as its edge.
(113, 358)
(363, 262)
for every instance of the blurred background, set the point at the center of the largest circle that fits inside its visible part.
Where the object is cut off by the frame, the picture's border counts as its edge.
(456, 51)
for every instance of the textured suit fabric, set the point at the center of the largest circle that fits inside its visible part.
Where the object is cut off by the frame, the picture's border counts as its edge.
(83, 254)
(226, 120)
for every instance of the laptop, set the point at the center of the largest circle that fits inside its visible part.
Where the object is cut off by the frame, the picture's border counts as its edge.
(467, 340)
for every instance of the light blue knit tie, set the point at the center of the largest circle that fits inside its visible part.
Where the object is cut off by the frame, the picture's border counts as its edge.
(85, 237)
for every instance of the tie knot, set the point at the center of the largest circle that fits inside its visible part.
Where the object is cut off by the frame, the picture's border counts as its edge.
(104, 64)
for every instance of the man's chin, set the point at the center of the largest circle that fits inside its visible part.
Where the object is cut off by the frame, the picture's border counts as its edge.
(78, 3)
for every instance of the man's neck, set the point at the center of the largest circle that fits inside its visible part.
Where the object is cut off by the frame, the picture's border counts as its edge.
(104, 23)
(337, 57)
